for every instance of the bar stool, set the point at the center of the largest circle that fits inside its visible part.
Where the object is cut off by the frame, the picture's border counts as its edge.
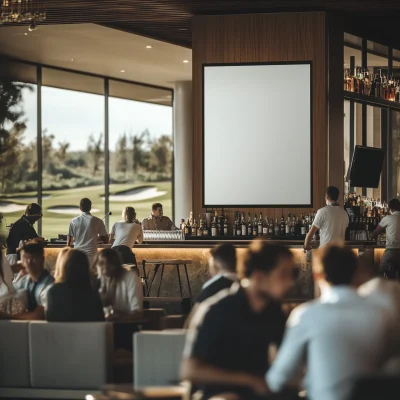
(161, 264)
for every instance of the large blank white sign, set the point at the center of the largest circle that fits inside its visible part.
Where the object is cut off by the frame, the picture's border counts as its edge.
(257, 135)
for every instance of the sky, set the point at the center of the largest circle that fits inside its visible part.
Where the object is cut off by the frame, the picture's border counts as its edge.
(72, 116)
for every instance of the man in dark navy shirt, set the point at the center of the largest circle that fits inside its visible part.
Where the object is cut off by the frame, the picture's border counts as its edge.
(222, 268)
(230, 333)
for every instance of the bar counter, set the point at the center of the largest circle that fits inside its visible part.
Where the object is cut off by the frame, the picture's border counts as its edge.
(198, 251)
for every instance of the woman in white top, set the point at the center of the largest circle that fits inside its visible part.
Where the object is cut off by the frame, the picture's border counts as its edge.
(124, 234)
(6, 277)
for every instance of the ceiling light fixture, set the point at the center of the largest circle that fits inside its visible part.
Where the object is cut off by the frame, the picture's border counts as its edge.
(17, 11)
(185, 61)
(25, 34)
(149, 47)
(72, 59)
(122, 70)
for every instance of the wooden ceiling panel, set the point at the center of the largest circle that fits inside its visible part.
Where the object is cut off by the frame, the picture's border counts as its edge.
(170, 20)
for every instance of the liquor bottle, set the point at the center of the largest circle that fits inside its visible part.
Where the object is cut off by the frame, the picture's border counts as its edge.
(265, 227)
(194, 228)
(182, 225)
(282, 227)
(200, 227)
(187, 229)
(293, 226)
(225, 227)
(260, 225)
(255, 225)
(303, 230)
(238, 226)
(249, 226)
(244, 226)
(191, 218)
(205, 229)
(214, 227)
(271, 228)
(276, 228)
(287, 226)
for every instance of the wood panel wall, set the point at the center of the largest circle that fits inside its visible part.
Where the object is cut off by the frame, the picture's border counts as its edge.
(266, 38)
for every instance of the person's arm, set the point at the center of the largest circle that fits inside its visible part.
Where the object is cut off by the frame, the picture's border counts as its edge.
(379, 229)
(199, 372)
(112, 235)
(103, 233)
(71, 235)
(36, 314)
(172, 226)
(287, 367)
(140, 238)
(309, 237)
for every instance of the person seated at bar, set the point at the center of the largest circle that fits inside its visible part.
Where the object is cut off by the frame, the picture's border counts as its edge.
(22, 230)
(331, 221)
(157, 221)
(390, 264)
(338, 337)
(36, 282)
(124, 234)
(72, 298)
(6, 277)
(226, 350)
(85, 230)
(222, 268)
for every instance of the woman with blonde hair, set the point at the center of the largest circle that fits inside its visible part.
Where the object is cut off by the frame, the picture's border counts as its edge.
(73, 298)
(124, 234)
(60, 262)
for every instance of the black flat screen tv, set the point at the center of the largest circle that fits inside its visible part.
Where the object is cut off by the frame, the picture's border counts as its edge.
(366, 167)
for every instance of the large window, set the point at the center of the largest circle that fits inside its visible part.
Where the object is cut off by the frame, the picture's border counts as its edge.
(18, 151)
(76, 143)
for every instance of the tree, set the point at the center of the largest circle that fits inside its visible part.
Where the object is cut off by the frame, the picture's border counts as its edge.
(161, 155)
(122, 162)
(62, 151)
(139, 153)
(95, 151)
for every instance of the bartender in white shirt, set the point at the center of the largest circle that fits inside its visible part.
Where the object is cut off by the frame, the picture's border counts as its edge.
(390, 263)
(332, 221)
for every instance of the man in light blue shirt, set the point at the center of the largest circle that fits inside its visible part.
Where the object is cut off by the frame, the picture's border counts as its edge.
(338, 337)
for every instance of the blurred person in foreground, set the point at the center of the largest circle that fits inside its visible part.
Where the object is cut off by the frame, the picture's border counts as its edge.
(73, 298)
(36, 282)
(226, 351)
(339, 337)
(157, 221)
(85, 231)
(22, 230)
(124, 235)
(390, 264)
(222, 268)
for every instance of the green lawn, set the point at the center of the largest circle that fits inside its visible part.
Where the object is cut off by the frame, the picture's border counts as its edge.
(53, 224)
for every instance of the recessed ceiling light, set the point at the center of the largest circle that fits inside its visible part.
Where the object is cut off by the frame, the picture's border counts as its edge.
(25, 34)
(149, 47)
(72, 59)
(122, 70)
(185, 61)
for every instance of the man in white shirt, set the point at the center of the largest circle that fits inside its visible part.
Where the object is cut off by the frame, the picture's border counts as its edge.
(339, 337)
(85, 230)
(332, 221)
(390, 263)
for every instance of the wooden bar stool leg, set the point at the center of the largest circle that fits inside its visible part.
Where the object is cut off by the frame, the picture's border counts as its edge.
(187, 280)
(161, 277)
(146, 286)
(179, 279)
(156, 267)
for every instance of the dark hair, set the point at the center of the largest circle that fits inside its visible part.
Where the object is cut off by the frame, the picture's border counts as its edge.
(155, 206)
(339, 264)
(33, 247)
(264, 257)
(332, 192)
(85, 205)
(394, 205)
(33, 209)
(129, 214)
(112, 257)
(75, 269)
(225, 255)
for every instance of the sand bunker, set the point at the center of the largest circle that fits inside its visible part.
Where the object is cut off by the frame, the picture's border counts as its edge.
(68, 210)
(137, 194)
(28, 198)
(8, 208)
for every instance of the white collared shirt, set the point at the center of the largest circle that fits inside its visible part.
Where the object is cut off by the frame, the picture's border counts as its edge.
(228, 275)
(340, 338)
(391, 223)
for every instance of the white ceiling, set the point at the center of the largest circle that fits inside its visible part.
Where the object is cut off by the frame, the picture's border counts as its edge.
(99, 50)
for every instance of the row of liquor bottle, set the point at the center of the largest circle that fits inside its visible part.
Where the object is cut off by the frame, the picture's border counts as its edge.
(361, 228)
(257, 226)
(369, 207)
(359, 80)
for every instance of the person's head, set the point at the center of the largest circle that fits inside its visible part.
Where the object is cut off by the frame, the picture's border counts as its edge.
(33, 212)
(394, 205)
(85, 205)
(331, 194)
(32, 257)
(108, 263)
(74, 269)
(335, 264)
(157, 210)
(129, 214)
(269, 269)
(223, 259)
(60, 262)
